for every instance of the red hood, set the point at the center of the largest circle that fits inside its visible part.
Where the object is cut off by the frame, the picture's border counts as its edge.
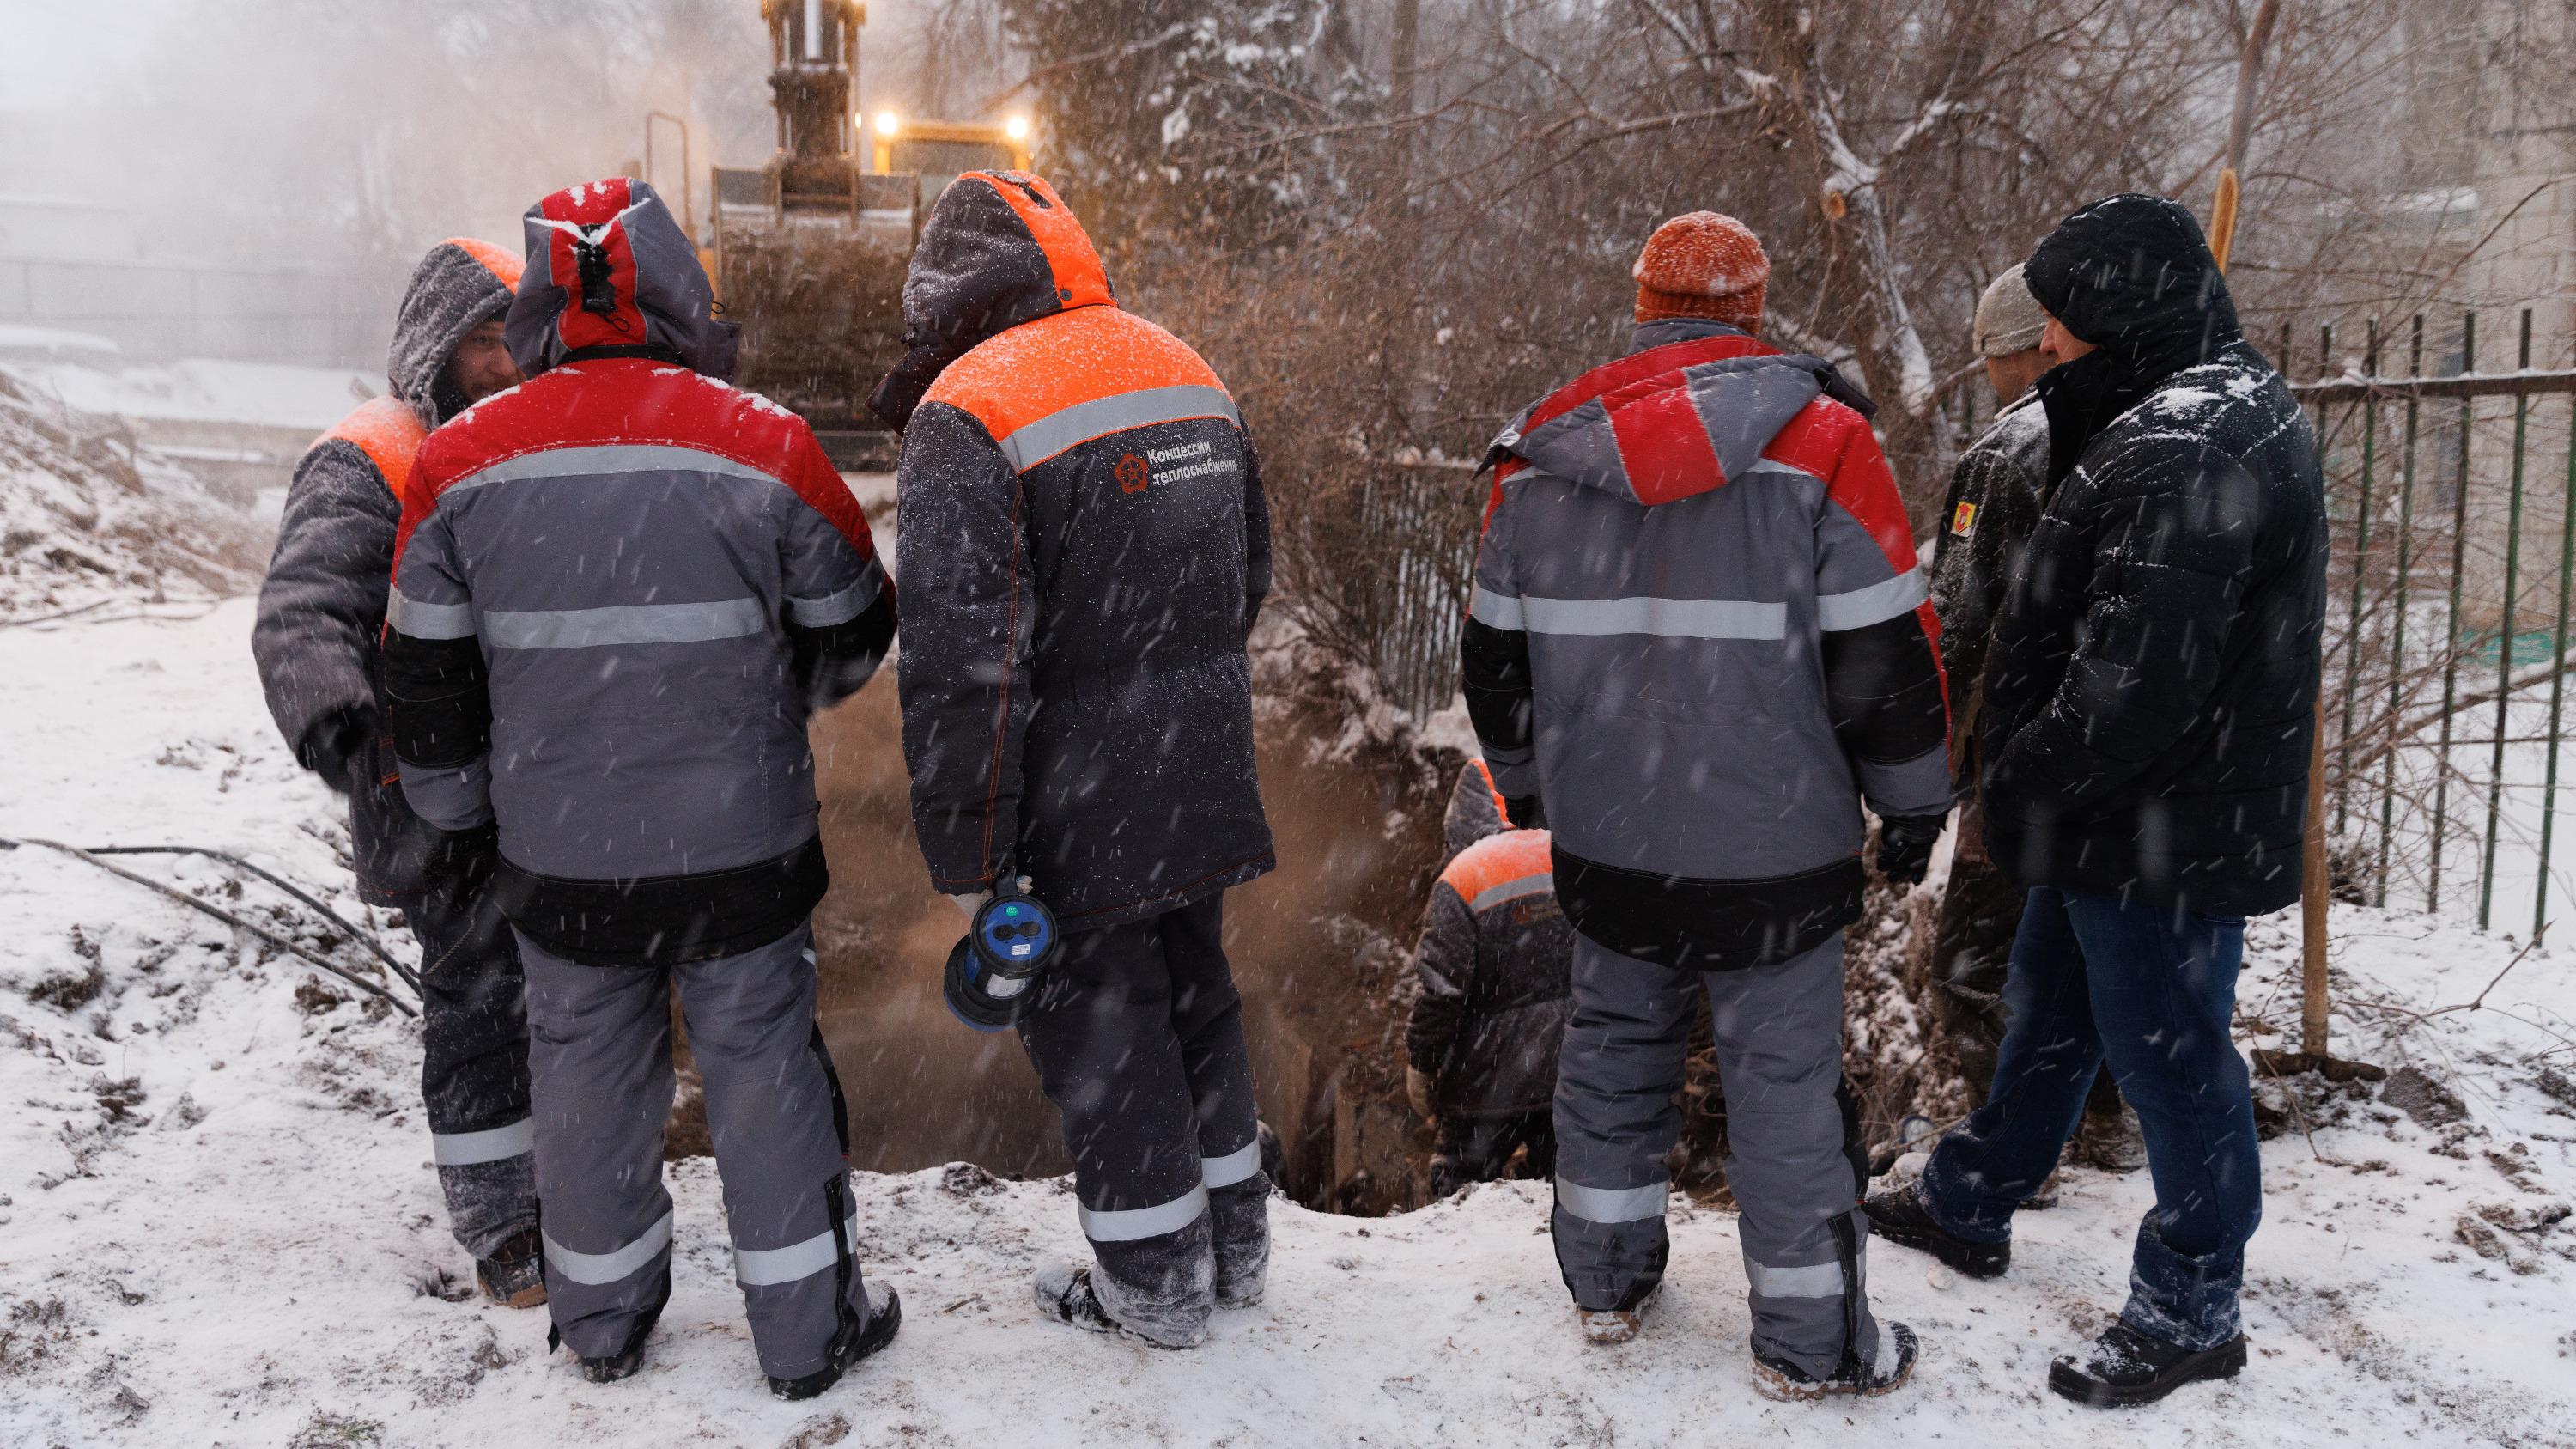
(1671, 421)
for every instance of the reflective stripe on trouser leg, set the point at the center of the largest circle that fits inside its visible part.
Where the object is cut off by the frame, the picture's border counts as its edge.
(474, 1062)
(1207, 1017)
(1792, 1160)
(1102, 1035)
(1615, 1120)
(771, 1118)
(497, 1144)
(599, 1062)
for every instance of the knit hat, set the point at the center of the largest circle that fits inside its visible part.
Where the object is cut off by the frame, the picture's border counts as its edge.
(1702, 265)
(2008, 316)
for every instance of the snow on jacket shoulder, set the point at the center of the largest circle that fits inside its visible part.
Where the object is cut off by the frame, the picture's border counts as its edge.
(1495, 966)
(322, 606)
(2150, 692)
(2152, 685)
(1084, 546)
(1697, 641)
(619, 590)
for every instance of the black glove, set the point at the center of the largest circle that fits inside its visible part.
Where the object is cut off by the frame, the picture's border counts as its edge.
(1905, 846)
(335, 740)
(1525, 812)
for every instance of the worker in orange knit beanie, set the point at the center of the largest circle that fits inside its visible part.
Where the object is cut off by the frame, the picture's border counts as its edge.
(1702, 265)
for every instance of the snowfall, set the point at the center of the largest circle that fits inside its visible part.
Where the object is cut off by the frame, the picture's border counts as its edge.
(218, 1223)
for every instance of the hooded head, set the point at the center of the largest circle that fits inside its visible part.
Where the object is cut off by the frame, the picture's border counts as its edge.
(462, 284)
(1000, 248)
(610, 274)
(2132, 275)
(1673, 421)
(1475, 811)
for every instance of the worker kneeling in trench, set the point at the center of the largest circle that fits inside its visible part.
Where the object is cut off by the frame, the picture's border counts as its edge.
(1495, 963)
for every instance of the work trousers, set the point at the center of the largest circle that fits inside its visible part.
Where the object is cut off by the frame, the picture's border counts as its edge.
(474, 1058)
(1971, 957)
(1137, 1036)
(2151, 991)
(1795, 1160)
(600, 1058)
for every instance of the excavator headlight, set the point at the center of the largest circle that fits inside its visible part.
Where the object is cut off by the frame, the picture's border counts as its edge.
(1017, 128)
(888, 123)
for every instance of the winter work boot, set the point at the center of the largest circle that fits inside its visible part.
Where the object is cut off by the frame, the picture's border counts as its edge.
(1064, 1293)
(885, 1315)
(515, 1275)
(1616, 1325)
(1777, 1378)
(609, 1368)
(1898, 1215)
(1240, 1217)
(2125, 1366)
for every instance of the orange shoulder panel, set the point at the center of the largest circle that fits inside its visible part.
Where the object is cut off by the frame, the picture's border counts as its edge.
(1497, 859)
(500, 261)
(388, 432)
(1080, 280)
(1037, 368)
(1485, 773)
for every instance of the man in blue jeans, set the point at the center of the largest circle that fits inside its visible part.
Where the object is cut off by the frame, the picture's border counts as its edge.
(2149, 698)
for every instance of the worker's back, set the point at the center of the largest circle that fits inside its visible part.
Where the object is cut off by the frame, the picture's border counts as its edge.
(1493, 965)
(1696, 560)
(619, 589)
(1083, 510)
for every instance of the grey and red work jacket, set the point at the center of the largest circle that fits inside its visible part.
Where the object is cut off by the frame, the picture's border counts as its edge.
(619, 590)
(1697, 641)
(1084, 547)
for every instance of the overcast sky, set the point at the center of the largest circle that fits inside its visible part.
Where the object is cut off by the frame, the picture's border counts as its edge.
(53, 51)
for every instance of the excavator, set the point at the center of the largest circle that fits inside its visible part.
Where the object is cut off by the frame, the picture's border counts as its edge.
(808, 251)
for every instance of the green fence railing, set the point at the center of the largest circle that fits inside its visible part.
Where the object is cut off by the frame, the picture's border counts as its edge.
(2454, 588)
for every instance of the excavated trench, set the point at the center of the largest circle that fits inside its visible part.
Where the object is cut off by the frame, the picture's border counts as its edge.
(1313, 946)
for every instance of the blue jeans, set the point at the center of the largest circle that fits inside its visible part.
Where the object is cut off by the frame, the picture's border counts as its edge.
(2150, 991)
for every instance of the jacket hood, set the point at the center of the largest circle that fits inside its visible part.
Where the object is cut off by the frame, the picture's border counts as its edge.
(2132, 275)
(1475, 811)
(462, 284)
(1000, 248)
(1689, 410)
(611, 274)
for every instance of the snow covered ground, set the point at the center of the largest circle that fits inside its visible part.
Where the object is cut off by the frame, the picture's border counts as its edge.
(203, 389)
(218, 1224)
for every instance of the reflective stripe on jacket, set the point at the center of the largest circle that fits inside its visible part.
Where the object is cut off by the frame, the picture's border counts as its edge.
(1698, 638)
(1084, 547)
(1494, 966)
(619, 590)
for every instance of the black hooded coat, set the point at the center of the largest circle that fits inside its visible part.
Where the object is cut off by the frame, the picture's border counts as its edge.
(1084, 548)
(322, 607)
(2149, 694)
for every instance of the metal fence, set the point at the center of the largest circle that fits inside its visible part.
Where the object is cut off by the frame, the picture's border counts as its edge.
(320, 319)
(2450, 491)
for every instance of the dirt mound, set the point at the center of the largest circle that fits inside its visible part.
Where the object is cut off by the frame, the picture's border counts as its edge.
(88, 515)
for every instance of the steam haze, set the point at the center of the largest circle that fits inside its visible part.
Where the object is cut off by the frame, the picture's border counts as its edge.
(345, 136)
